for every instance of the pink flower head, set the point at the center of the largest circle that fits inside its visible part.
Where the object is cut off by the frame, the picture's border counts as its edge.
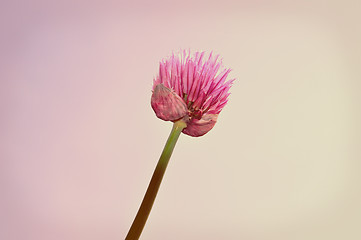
(192, 88)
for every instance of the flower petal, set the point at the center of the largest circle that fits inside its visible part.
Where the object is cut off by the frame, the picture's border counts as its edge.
(197, 128)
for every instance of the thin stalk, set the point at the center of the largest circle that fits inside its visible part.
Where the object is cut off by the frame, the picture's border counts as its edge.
(149, 197)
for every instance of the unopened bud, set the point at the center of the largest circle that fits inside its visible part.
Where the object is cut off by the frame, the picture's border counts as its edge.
(167, 105)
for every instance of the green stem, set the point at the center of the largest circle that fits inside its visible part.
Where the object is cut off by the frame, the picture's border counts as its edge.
(148, 200)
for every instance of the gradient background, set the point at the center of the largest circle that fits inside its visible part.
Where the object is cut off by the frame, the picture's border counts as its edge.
(79, 140)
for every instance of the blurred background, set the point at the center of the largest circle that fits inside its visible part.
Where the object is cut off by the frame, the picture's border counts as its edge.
(79, 140)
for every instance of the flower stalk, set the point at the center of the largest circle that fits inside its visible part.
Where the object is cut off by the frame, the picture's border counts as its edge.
(149, 197)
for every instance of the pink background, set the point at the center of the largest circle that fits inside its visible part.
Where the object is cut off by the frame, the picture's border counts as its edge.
(79, 140)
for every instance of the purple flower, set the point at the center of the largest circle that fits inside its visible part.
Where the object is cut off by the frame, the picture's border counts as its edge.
(191, 88)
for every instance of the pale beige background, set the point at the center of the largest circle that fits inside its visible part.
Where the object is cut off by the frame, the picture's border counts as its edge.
(79, 140)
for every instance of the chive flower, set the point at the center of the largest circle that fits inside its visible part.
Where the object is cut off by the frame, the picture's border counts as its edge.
(190, 90)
